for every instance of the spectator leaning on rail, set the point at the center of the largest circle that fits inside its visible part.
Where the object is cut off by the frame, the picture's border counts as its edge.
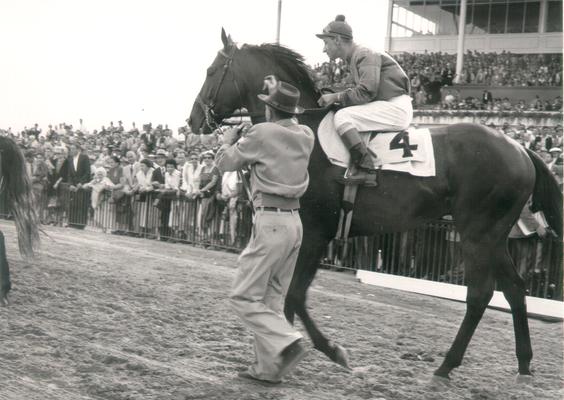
(75, 172)
(380, 98)
(278, 153)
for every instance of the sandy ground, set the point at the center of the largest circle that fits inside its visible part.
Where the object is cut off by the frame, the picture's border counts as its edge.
(105, 317)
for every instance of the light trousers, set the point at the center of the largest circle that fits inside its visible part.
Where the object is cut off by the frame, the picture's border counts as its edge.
(264, 274)
(393, 114)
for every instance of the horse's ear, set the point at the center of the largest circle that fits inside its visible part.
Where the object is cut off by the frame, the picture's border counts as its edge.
(224, 39)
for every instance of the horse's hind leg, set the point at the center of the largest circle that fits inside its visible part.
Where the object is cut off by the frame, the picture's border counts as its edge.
(480, 281)
(513, 288)
(5, 284)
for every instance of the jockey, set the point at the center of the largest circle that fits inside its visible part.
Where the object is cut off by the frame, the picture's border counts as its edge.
(380, 99)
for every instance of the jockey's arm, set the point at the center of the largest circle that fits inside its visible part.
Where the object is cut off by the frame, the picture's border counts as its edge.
(368, 66)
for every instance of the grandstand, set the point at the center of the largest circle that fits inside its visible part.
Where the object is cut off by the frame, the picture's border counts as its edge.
(456, 30)
(519, 26)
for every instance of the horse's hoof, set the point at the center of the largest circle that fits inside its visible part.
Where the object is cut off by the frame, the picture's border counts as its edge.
(4, 302)
(524, 379)
(342, 356)
(440, 382)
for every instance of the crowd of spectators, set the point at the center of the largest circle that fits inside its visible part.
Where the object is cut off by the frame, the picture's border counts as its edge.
(451, 99)
(489, 69)
(79, 176)
(544, 140)
(429, 73)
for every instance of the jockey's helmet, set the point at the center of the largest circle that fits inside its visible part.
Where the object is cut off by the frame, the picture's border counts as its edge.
(338, 27)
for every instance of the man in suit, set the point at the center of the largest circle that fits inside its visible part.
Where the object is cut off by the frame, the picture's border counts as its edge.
(130, 170)
(487, 98)
(158, 182)
(149, 138)
(158, 178)
(130, 167)
(75, 172)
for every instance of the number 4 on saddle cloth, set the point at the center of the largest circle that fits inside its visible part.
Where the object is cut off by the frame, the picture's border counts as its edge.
(393, 152)
(414, 156)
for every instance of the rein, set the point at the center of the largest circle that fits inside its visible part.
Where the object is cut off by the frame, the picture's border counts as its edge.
(259, 114)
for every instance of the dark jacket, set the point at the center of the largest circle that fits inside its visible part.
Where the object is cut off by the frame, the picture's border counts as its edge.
(80, 175)
(150, 141)
(487, 97)
(158, 176)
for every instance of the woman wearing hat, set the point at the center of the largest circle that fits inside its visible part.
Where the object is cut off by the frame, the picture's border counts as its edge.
(278, 154)
(380, 98)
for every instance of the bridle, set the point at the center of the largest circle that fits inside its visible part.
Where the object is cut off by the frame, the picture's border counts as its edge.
(211, 117)
(213, 120)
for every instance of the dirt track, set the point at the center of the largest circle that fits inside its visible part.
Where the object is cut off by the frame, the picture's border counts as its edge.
(104, 317)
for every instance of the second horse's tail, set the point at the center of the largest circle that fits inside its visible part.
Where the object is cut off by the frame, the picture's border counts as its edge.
(19, 195)
(547, 195)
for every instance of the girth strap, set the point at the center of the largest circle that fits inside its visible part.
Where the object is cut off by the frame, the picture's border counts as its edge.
(345, 219)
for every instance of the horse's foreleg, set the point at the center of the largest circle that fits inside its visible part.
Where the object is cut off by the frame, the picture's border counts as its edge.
(306, 268)
(480, 283)
(5, 284)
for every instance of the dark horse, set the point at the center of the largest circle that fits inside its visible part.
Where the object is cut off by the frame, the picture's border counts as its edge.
(483, 180)
(17, 196)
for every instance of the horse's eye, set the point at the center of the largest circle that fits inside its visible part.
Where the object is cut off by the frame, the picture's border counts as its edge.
(211, 71)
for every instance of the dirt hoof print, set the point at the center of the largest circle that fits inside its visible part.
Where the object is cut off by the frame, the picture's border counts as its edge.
(421, 356)
(113, 360)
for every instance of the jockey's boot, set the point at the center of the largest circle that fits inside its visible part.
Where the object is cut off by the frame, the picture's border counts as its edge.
(360, 155)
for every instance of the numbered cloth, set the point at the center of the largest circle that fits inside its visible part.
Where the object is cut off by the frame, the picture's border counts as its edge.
(389, 148)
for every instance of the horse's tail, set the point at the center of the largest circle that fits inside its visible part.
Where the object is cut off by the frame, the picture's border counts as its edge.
(547, 196)
(19, 195)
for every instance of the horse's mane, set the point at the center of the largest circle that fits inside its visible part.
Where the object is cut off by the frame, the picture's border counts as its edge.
(288, 60)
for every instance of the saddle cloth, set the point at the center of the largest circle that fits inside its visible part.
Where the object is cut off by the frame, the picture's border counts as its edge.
(390, 157)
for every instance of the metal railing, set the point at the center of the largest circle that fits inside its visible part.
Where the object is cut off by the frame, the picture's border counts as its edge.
(433, 252)
(430, 252)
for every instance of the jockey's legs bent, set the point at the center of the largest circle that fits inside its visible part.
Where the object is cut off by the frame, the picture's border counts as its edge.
(390, 115)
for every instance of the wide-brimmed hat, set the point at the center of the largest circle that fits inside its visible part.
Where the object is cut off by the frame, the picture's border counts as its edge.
(161, 152)
(555, 150)
(338, 27)
(284, 97)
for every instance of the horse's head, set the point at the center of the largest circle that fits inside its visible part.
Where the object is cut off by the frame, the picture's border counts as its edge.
(222, 92)
(237, 75)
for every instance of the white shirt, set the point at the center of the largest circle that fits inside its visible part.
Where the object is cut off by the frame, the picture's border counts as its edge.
(190, 176)
(229, 183)
(144, 180)
(75, 161)
(130, 173)
(172, 181)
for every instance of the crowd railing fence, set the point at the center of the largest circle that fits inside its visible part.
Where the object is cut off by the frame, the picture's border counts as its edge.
(431, 251)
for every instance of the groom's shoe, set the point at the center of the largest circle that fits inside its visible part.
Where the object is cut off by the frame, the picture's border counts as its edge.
(248, 375)
(290, 357)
